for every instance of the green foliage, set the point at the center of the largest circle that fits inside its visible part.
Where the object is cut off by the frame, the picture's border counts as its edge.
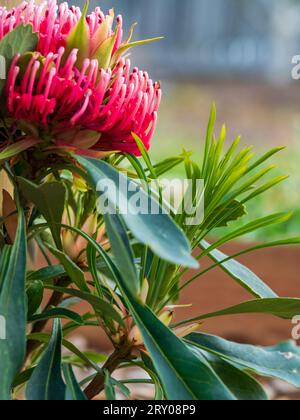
(275, 363)
(130, 273)
(13, 310)
(20, 40)
(46, 383)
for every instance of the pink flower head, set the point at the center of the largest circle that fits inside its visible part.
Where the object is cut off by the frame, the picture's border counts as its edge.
(78, 90)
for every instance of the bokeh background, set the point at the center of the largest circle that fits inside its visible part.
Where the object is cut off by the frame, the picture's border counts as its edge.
(237, 53)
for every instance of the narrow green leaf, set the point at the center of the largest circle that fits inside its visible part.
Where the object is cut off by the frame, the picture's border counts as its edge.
(100, 306)
(122, 252)
(78, 38)
(281, 307)
(185, 375)
(240, 383)
(46, 383)
(57, 313)
(47, 273)
(16, 148)
(158, 231)
(45, 338)
(73, 271)
(245, 277)
(126, 47)
(35, 292)
(250, 227)
(104, 52)
(73, 391)
(274, 362)
(110, 391)
(13, 312)
(49, 199)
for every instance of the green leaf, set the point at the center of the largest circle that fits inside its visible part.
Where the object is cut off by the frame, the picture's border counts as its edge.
(100, 306)
(49, 199)
(240, 383)
(45, 338)
(16, 148)
(234, 210)
(96, 358)
(57, 313)
(185, 375)
(73, 391)
(281, 307)
(46, 274)
(23, 377)
(13, 311)
(271, 362)
(72, 270)
(46, 383)
(35, 292)
(20, 40)
(110, 391)
(78, 38)
(125, 47)
(250, 227)
(158, 231)
(245, 277)
(145, 155)
(122, 252)
(104, 52)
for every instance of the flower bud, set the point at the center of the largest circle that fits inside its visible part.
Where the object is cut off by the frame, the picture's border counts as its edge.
(184, 331)
(144, 291)
(135, 336)
(166, 317)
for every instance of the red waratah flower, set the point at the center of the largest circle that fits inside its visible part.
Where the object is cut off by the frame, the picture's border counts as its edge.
(76, 88)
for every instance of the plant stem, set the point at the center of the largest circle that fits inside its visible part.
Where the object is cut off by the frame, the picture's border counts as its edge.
(112, 363)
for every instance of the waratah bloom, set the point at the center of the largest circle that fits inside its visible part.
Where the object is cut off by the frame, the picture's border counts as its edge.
(76, 89)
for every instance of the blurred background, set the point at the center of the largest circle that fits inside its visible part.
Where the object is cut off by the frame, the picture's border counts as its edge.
(238, 54)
